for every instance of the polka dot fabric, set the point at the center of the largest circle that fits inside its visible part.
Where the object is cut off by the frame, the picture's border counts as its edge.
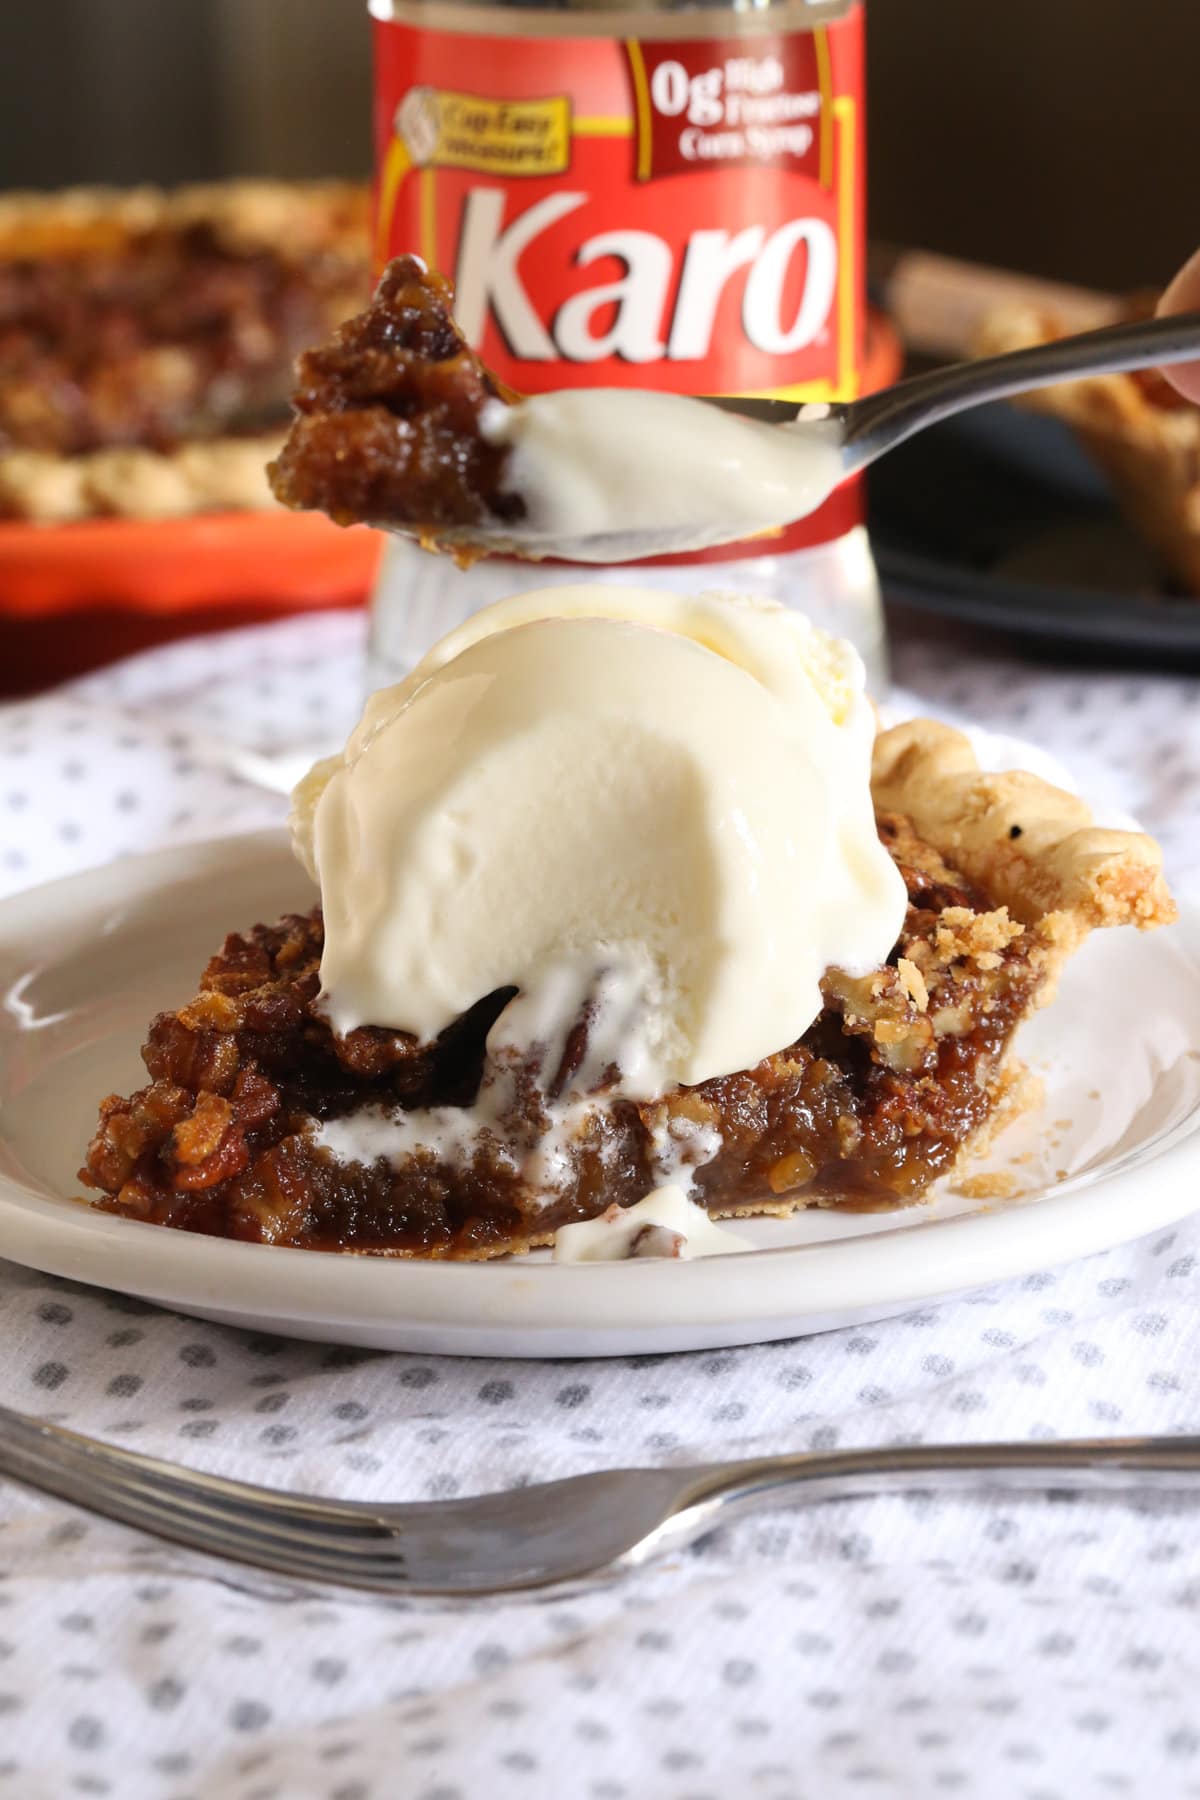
(1038, 1649)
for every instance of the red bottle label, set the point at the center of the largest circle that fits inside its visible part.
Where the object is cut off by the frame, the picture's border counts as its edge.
(683, 214)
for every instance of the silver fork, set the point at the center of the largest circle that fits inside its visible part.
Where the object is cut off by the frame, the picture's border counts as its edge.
(575, 1530)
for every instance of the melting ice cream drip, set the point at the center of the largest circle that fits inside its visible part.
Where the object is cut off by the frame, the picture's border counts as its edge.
(557, 1057)
(665, 1224)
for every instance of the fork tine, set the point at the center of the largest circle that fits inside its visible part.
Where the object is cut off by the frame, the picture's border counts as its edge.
(221, 1528)
(86, 1458)
(275, 1518)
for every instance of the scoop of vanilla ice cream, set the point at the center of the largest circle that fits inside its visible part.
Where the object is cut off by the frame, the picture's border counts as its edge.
(603, 779)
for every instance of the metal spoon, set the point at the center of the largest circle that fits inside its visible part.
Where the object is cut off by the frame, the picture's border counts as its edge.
(872, 426)
(617, 475)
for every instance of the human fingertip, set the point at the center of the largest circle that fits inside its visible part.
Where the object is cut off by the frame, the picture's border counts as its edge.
(1183, 295)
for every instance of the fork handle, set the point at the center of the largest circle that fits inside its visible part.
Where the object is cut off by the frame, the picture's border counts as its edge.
(880, 421)
(1151, 1465)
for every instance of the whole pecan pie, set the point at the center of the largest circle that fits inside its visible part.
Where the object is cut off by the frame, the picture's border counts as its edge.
(904, 1072)
(147, 338)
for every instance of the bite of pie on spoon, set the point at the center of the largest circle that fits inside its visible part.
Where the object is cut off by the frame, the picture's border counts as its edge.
(400, 425)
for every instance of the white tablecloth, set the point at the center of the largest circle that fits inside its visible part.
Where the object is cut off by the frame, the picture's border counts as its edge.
(892, 1647)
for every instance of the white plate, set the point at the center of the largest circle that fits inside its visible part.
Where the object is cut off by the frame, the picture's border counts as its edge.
(85, 962)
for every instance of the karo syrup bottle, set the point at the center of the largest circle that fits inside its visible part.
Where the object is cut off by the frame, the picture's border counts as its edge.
(661, 196)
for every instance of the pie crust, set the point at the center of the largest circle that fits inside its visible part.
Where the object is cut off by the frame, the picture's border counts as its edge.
(227, 474)
(1033, 848)
(1142, 434)
(294, 220)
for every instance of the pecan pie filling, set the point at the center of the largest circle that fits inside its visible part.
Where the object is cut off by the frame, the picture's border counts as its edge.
(870, 1106)
(387, 427)
(176, 321)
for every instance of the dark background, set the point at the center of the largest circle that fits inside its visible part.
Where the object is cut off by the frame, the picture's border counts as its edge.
(1056, 136)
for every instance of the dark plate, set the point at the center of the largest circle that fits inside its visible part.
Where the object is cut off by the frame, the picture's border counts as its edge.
(997, 519)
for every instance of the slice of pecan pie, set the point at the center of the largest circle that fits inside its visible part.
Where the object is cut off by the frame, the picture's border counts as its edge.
(241, 1130)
